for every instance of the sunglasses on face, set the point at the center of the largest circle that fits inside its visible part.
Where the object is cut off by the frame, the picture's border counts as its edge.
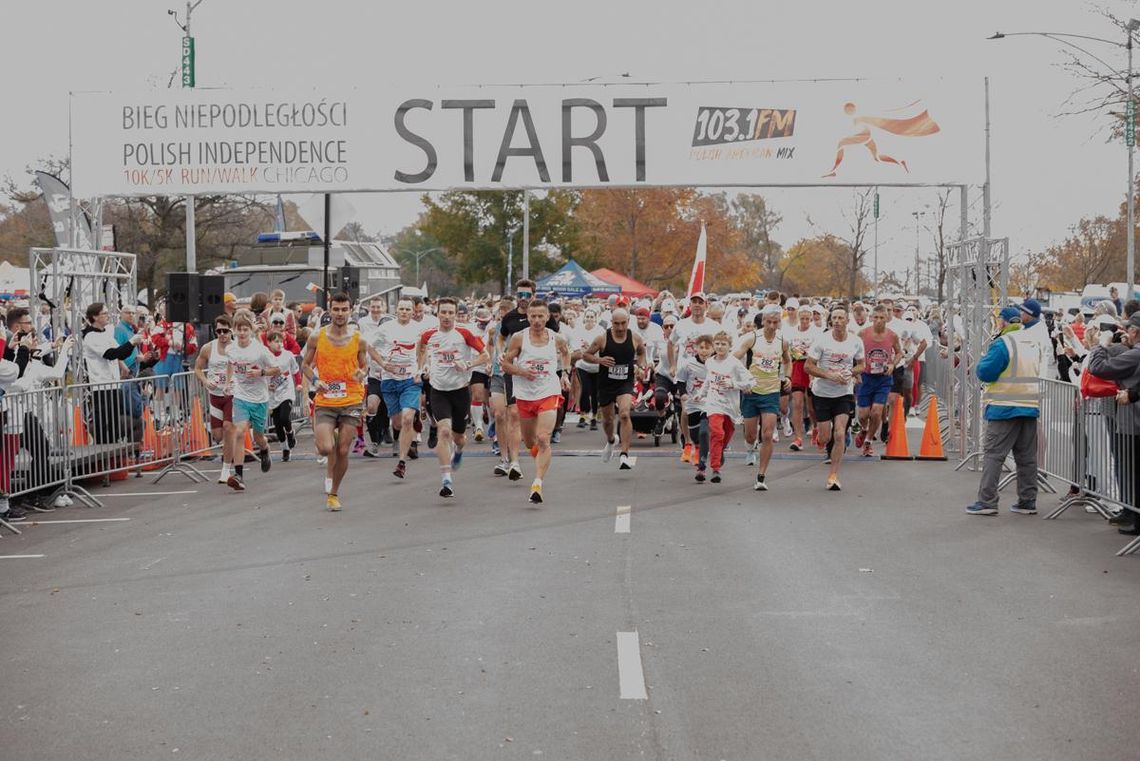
(223, 331)
(523, 294)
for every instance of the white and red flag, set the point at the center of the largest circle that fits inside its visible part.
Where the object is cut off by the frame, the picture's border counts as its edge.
(697, 279)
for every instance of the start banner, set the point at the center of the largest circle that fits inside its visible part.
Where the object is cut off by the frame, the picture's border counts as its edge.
(832, 132)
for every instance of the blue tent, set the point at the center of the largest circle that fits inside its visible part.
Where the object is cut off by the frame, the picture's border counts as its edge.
(573, 280)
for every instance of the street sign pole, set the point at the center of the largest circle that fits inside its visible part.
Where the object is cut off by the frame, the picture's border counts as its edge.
(876, 274)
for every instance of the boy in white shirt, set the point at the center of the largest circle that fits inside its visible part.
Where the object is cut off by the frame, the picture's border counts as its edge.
(720, 398)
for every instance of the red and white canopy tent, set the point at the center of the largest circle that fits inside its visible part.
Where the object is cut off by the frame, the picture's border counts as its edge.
(629, 286)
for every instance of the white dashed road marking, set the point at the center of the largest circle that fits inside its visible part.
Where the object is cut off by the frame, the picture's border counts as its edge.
(631, 679)
(621, 522)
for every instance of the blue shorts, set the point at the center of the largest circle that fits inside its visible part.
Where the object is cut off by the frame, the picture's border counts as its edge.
(254, 413)
(400, 395)
(754, 405)
(874, 389)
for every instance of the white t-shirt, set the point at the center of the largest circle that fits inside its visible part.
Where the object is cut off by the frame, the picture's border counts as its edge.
(834, 355)
(654, 339)
(920, 332)
(692, 373)
(242, 360)
(580, 340)
(720, 393)
(444, 351)
(686, 333)
(427, 322)
(281, 387)
(800, 341)
(397, 344)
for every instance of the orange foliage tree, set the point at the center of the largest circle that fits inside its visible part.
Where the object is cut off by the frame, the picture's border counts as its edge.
(650, 234)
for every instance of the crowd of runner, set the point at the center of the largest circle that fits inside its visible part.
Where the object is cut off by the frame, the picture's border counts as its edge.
(803, 373)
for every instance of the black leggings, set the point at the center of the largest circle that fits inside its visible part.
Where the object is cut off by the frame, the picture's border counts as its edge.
(699, 434)
(283, 421)
(588, 400)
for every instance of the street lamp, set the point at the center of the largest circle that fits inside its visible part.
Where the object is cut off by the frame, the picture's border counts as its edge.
(917, 233)
(1129, 120)
(420, 255)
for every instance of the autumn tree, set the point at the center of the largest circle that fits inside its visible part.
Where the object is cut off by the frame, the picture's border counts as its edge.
(1090, 254)
(820, 267)
(476, 229)
(757, 223)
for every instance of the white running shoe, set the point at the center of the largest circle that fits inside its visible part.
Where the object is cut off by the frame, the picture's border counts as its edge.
(624, 462)
(776, 435)
(608, 451)
(752, 457)
(787, 427)
(322, 460)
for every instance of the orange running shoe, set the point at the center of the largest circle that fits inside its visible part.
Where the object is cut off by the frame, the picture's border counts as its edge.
(687, 453)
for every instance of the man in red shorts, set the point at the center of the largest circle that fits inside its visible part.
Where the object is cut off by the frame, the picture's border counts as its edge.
(539, 360)
(210, 367)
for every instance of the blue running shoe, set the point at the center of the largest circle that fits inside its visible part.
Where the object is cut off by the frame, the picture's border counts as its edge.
(456, 459)
(979, 509)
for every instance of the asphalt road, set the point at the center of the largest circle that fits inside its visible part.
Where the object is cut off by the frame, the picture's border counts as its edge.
(877, 623)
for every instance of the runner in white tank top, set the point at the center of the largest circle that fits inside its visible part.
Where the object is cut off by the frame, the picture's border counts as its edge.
(543, 360)
(535, 357)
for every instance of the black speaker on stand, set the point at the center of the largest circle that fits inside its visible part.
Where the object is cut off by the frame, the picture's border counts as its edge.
(211, 291)
(182, 299)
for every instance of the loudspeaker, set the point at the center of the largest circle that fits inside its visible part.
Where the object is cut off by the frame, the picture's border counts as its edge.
(350, 281)
(212, 290)
(182, 296)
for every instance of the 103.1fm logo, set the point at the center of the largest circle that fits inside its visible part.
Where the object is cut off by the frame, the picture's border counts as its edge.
(719, 125)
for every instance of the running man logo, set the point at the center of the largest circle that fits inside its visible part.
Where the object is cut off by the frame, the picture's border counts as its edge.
(919, 125)
(719, 125)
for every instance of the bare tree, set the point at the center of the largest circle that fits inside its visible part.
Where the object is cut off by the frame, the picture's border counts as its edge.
(859, 219)
(938, 235)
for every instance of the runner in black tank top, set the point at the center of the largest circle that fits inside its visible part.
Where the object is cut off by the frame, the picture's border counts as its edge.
(617, 351)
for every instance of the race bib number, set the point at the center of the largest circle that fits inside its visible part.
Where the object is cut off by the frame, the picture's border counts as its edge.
(336, 389)
(277, 382)
(619, 372)
(218, 379)
(538, 367)
(766, 364)
(445, 358)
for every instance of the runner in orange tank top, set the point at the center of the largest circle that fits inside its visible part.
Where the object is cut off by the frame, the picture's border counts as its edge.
(338, 355)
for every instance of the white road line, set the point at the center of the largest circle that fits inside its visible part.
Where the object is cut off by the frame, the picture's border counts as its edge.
(78, 520)
(621, 521)
(147, 493)
(631, 679)
(14, 557)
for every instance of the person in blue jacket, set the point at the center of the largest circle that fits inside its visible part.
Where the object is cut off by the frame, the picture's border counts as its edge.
(1010, 370)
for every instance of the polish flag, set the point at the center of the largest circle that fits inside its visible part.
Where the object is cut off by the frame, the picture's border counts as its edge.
(313, 287)
(697, 279)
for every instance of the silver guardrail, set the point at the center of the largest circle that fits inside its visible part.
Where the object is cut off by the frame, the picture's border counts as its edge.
(1091, 445)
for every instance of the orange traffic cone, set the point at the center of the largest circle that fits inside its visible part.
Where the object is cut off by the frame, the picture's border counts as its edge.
(897, 448)
(931, 447)
(248, 441)
(149, 452)
(194, 438)
(78, 428)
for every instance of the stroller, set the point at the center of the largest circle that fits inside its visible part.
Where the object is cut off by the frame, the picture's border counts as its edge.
(643, 412)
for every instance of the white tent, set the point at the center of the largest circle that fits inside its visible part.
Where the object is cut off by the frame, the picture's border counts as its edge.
(14, 281)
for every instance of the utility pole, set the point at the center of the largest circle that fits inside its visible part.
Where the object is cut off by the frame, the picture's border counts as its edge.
(876, 274)
(917, 233)
(526, 235)
(189, 81)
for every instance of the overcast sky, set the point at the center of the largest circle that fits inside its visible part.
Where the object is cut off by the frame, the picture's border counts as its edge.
(1047, 171)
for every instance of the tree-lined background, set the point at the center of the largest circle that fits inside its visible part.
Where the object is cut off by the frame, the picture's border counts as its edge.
(463, 239)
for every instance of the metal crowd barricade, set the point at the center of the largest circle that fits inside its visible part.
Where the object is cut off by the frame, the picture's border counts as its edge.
(188, 406)
(1059, 436)
(34, 444)
(112, 431)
